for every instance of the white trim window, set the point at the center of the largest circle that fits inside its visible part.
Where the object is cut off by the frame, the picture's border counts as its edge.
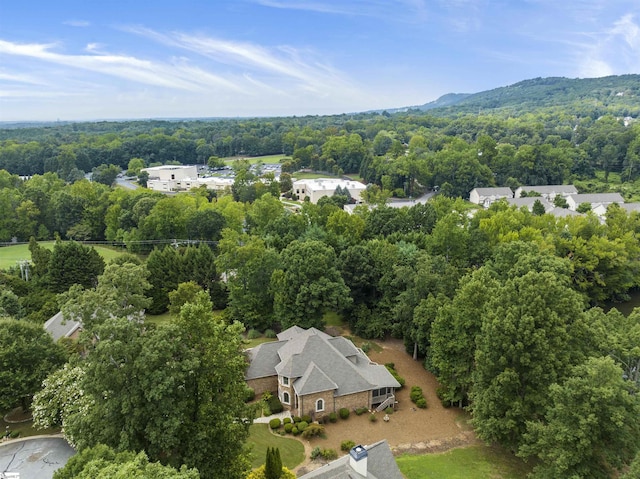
(286, 399)
(320, 405)
(285, 380)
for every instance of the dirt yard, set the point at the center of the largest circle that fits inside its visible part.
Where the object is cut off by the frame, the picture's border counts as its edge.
(409, 429)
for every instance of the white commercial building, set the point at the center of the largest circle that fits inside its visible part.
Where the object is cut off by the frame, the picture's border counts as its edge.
(317, 188)
(182, 178)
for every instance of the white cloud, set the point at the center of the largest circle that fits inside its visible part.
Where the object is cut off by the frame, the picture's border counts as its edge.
(279, 65)
(411, 11)
(182, 77)
(615, 50)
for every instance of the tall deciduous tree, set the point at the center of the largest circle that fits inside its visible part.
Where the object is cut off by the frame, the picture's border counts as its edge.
(523, 347)
(175, 392)
(27, 355)
(308, 284)
(591, 427)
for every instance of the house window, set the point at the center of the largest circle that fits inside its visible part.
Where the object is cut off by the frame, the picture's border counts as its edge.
(285, 380)
(320, 405)
(285, 398)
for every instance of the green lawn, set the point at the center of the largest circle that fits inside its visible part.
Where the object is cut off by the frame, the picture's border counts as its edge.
(158, 319)
(474, 462)
(24, 428)
(256, 159)
(260, 438)
(10, 255)
(304, 175)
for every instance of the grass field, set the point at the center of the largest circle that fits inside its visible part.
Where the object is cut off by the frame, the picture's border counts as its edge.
(260, 438)
(255, 159)
(474, 462)
(10, 255)
(305, 175)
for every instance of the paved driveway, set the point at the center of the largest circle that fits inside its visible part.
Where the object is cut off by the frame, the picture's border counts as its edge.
(35, 458)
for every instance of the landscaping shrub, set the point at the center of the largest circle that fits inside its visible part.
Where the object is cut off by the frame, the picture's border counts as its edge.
(347, 445)
(306, 418)
(274, 423)
(14, 434)
(313, 430)
(315, 453)
(365, 347)
(417, 397)
(295, 431)
(250, 395)
(416, 393)
(344, 413)
(373, 418)
(329, 454)
(286, 420)
(288, 427)
(253, 334)
(333, 417)
(361, 410)
(389, 410)
(275, 405)
(270, 333)
(391, 368)
(302, 425)
(296, 419)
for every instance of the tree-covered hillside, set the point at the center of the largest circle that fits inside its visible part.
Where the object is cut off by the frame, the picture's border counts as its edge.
(619, 95)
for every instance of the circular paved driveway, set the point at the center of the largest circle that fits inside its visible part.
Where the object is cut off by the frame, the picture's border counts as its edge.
(35, 458)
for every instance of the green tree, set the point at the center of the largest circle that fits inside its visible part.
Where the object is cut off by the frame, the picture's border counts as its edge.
(102, 462)
(591, 427)
(73, 263)
(248, 265)
(134, 166)
(28, 355)
(105, 174)
(175, 392)
(308, 284)
(523, 347)
(538, 208)
(185, 293)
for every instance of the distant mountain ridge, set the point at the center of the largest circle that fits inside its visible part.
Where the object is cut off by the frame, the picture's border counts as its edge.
(618, 91)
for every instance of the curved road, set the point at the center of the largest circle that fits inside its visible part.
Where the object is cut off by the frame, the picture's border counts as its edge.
(34, 458)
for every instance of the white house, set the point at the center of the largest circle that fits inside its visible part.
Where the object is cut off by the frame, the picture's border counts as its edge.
(486, 196)
(601, 210)
(529, 201)
(594, 199)
(548, 192)
(172, 172)
(317, 188)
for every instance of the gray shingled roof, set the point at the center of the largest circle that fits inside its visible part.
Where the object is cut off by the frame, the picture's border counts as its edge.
(380, 465)
(528, 202)
(546, 189)
(499, 191)
(263, 359)
(564, 212)
(629, 207)
(58, 327)
(315, 361)
(603, 198)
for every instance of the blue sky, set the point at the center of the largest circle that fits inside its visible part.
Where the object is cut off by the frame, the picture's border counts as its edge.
(115, 59)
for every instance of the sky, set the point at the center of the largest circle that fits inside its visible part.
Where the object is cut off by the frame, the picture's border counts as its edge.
(73, 60)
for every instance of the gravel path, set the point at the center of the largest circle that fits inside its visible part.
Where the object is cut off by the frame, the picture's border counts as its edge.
(409, 429)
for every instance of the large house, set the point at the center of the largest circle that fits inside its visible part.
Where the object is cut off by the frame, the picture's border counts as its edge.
(363, 462)
(594, 199)
(319, 187)
(486, 196)
(548, 192)
(314, 373)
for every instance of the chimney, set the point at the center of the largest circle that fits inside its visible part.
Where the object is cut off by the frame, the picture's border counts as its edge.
(358, 460)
